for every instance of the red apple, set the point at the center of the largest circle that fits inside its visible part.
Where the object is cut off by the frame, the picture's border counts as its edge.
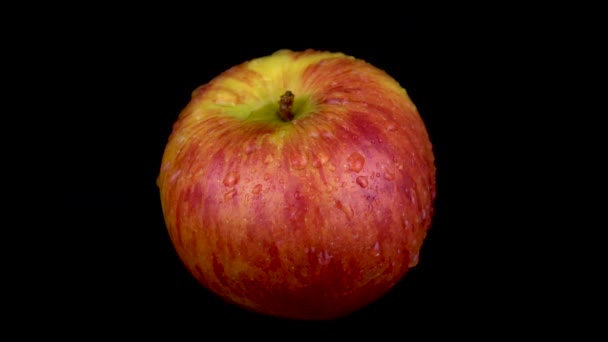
(299, 185)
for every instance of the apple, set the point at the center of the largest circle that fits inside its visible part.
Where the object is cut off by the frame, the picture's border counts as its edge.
(299, 185)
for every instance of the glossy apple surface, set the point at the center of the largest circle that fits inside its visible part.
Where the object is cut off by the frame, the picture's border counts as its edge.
(310, 217)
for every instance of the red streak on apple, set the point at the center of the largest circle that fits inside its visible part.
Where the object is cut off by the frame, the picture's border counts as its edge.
(312, 218)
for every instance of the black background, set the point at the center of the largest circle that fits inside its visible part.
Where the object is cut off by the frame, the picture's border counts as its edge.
(123, 83)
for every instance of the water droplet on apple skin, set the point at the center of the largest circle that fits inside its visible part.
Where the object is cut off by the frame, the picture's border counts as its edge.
(268, 159)
(180, 139)
(299, 162)
(174, 176)
(336, 101)
(231, 178)
(324, 258)
(362, 181)
(256, 189)
(389, 175)
(230, 194)
(345, 208)
(355, 162)
(414, 260)
(327, 135)
(320, 159)
(250, 147)
(377, 248)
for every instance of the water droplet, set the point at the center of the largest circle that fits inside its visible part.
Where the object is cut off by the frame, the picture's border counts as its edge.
(338, 101)
(174, 176)
(225, 98)
(256, 189)
(180, 139)
(334, 83)
(332, 117)
(299, 161)
(327, 134)
(355, 162)
(231, 178)
(377, 249)
(266, 176)
(250, 146)
(414, 260)
(362, 181)
(320, 159)
(424, 214)
(230, 194)
(268, 159)
(346, 209)
(313, 134)
(324, 258)
(389, 175)
(391, 126)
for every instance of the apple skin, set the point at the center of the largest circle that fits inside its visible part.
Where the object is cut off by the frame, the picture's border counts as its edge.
(310, 219)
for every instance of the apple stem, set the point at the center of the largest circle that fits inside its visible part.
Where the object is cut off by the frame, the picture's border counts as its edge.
(285, 106)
